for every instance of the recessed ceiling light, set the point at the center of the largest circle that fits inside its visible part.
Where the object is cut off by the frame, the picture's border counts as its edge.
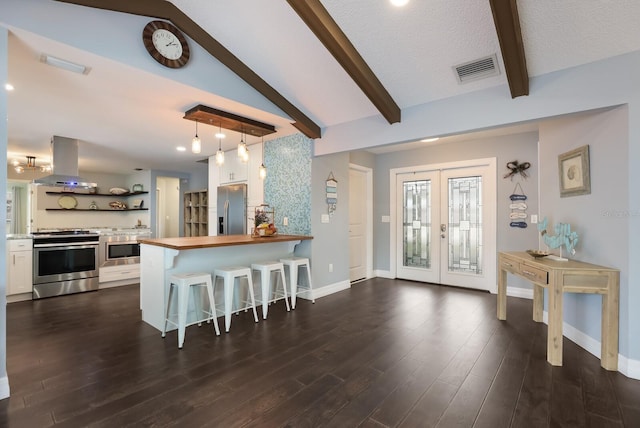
(9, 87)
(181, 148)
(399, 3)
(220, 135)
(430, 140)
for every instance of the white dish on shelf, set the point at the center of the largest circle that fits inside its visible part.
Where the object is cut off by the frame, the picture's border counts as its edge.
(67, 202)
(118, 191)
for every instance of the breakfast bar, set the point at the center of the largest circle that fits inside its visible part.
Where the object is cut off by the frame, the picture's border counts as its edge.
(160, 258)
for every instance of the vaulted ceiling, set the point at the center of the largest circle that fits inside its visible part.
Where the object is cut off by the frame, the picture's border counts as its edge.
(302, 66)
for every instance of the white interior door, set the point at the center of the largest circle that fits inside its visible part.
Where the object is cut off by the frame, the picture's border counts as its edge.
(446, 226)
(357, 225)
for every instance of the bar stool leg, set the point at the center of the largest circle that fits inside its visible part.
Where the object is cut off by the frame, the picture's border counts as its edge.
(253, 300)
(264, 287)
(293, 276)
(228, 301)
(284, 287)
(164, 329)
(183, 304)
(212, 306)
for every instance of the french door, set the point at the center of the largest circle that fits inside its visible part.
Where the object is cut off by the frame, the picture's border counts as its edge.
(445, 226)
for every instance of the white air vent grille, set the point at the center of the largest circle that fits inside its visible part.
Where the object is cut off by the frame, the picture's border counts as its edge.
(477, 69)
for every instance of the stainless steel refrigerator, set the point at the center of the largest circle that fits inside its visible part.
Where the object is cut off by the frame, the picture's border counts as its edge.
(232, 209)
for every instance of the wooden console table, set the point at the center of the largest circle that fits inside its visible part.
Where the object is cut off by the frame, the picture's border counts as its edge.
(564, 277)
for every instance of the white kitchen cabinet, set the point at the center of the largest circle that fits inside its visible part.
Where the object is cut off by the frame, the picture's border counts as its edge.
(19, 267)
(255, 185)
(119, 275)
(234, 170)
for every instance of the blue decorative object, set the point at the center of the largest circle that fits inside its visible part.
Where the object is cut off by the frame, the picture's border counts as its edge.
(563, 237)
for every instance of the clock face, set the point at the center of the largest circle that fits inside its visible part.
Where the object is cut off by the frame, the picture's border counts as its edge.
(166, 44)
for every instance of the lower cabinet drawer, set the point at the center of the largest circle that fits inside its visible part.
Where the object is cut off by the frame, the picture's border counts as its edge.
(534, 274)
(510, 265)
(116, 273)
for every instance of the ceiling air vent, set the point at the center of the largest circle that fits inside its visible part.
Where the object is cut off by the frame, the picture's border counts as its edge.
(477, 69)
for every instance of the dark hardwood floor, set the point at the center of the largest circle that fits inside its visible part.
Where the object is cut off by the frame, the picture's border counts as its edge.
(383, 354)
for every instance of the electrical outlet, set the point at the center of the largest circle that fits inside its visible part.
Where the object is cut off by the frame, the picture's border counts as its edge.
(285, 221)
(330, 267)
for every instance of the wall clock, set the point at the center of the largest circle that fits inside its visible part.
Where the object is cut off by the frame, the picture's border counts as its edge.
(166, 44)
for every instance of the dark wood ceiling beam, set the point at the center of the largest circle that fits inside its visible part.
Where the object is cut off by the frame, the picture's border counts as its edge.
(507, 22)
(166, 10)
(333, 38)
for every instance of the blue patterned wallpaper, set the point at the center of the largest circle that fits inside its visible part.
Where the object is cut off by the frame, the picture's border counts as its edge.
(287, 187)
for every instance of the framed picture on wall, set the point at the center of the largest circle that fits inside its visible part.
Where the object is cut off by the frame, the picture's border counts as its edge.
(574, 172)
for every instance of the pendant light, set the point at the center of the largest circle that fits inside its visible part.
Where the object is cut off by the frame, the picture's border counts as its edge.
(196, 144)
(262, 170)
(242, 149)
(219, 153)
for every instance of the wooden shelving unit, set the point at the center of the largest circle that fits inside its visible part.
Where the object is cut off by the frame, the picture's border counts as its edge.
(195, 213)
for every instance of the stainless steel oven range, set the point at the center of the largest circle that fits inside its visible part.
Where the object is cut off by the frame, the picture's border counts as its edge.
(64, 262)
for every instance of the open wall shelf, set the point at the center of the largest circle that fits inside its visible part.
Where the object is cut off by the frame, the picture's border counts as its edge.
(101, 210)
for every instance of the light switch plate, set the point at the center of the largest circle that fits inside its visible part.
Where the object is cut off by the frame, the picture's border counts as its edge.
(386, 219)
(534, 219)
(324, 218)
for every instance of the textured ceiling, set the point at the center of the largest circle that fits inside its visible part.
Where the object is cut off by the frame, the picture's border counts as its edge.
(129, 104)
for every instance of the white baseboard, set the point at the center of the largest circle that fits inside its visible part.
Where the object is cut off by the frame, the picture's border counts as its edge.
(629, 367)
(523, 293)
(4, 388)
(324, 291)
(383, 274)
(626, 366)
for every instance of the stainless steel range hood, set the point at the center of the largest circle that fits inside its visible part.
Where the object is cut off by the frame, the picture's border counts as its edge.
(64, 154)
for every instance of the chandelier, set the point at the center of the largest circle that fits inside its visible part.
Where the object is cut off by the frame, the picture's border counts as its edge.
(29, 166)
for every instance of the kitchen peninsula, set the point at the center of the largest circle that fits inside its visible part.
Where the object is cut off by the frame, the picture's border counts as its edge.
(161, 258)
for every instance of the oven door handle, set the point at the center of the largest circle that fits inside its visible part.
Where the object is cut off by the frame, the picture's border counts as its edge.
(70, 245)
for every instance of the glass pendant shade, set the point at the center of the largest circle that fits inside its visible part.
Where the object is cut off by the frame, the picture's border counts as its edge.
(262, 170)
(219, 157)
(220, 153)
(196, 145)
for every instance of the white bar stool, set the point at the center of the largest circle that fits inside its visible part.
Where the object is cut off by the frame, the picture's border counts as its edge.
(185, 282)
(293, 263)
(229, 276)
(265, 269)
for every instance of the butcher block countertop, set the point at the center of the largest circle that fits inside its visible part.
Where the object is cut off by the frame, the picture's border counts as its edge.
(195, 242)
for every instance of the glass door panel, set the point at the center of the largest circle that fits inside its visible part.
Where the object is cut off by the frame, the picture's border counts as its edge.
(416, 223)
(417, 258)
(465, 225)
